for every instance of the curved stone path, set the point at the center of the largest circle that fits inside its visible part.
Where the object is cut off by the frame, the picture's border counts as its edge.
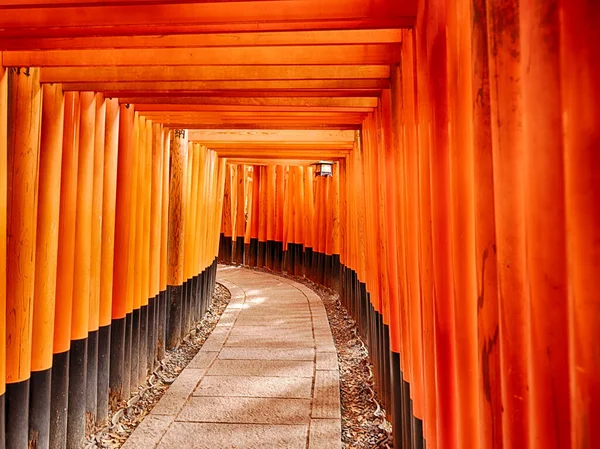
(267, 377)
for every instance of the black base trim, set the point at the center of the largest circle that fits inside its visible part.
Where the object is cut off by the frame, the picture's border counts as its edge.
(59, 394)
(77, 391)
(103, 373)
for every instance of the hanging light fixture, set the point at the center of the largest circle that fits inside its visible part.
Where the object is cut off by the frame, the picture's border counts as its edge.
(323, 168)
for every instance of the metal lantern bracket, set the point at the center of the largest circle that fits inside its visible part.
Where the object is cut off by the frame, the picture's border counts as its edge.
(323, 168)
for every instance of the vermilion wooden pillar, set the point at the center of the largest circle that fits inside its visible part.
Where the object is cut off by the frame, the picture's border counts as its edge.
(278, 216)
(463, 219)
(64, 275)
(109, 191)
(490, 408)
(254, 216)
(308, 222)
(3, 205)
(96, 260)
(227, 223)
(81, 273)
(123, 236)
(175, 253)
(240, 214)
(267, 206)
(24, 117)
(580, 95)
(504, 52)
(53, 107)
(164, 233)
(550, 425)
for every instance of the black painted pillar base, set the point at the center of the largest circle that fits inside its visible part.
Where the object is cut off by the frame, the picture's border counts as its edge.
(39, 408)
(162, 325)
(152, 325)
(2, 422)
(127, 380)
(253, 253)
(143, 366)
(59, 394)
(298, 260)
(91, 401)
(264, 257)
(184, 306)
(174, 297)
(77, 392)
(117, 359)
(103, 373)
(307, 264)
(135, 348)
(336, 273)
(17, 414)
(396, 378)
(386, 367)
(277, 256)
(239, 250)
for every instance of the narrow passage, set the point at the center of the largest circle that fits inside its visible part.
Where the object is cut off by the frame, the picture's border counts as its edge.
(267, 377)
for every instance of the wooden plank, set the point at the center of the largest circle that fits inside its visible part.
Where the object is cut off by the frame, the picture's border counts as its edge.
(272, 126)
(155, 73)
(120, 17)
(242, 108)
(323, 54)
(190, 87)
(244, 39)
(234, 135)
(317, 99)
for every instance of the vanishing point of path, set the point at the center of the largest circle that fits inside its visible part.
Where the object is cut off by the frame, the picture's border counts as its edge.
(267, 377)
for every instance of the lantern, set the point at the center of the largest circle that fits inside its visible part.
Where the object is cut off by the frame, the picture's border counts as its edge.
(323, 168)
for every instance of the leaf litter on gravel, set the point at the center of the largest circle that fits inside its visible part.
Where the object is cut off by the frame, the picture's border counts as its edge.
(125, 416)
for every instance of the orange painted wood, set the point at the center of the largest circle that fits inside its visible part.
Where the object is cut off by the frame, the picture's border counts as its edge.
(145, 285)
(387, 163)
(509, 185)
(46, 253)
(248, 39)
(83, 225)
(298, 205)
(343, 212)
(233, 177)
(287, 214)
(164, 226)
(24, 112)
(233, 85)
(226, 226)
(156, 206)
(279, 202)
(155, 73)
(190, 187)
(202, 198)
(325, 54)
(300, 100)
(426, 273)
(460, 107)
(206, 16)
(579, 64)
(66, 230)
(267, 191)
(256, 209)
(3, 218)
(361, 211)
(109, 195)
(545, 226)
(137, 219)
(123, 210)
(335, 211)
(240, 220)
(309, 207)
(490, 416)
(176, 207)
(97, 206)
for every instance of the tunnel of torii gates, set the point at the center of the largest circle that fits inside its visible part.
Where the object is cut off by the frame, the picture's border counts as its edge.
(141, 141)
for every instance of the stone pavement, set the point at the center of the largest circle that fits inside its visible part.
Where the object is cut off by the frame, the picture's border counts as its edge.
(267, 377)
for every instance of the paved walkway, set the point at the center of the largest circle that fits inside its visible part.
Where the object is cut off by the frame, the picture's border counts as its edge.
(267, 377)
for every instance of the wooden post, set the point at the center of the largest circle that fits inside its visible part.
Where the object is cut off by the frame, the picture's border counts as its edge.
(3, 207)
(96, 261)
(240, 215)
(109, 190)
(175, 253)
(81, 273)
(227, 226)
(266, 221)
(254, 216)
(278, 217)
(123, 235)
(64, 275)
(507, 147)
(579, 65)
(164, 236)
(46, 254)
(308, 221)
(24, 117)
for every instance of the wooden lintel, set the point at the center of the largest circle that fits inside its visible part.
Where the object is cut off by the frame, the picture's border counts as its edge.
(244, 39)
(158, 73)
(299, 55)
(234, 135)
(189, 87)
(349, 102)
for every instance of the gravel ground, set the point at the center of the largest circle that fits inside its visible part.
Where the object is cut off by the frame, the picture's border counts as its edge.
(125, 417)
(364, 425)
